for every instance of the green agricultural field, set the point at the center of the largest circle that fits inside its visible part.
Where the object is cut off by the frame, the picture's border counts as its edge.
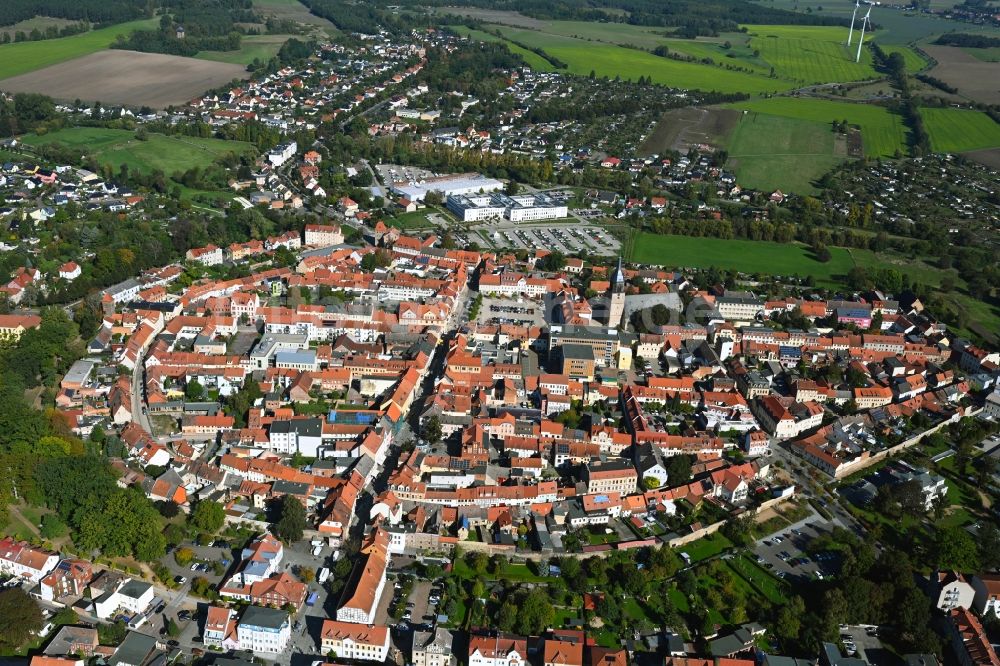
(914, 61)
(960, 130)
(116, 147)
(532, 59)
(26, 57)
(810, 54)
(260, 47)
(742, 255)
(882, 131)
(770, 152)
(991, 54)
(608, 60)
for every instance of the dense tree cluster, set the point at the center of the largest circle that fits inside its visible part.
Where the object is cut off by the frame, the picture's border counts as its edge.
(208, 25)
(967, 40)
(103, 12)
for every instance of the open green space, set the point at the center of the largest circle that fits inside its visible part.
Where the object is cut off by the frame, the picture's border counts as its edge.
(608, 60)
(706, 547)
(24, 57)
(742, 255)
(882, 131)
(116, 147)
(810, 54)
(532, 59)
(959, 130)
(770, 152)
(254, 47)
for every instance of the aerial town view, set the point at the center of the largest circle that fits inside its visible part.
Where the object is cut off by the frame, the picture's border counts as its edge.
(500, 332)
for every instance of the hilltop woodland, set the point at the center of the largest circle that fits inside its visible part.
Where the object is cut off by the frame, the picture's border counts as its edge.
(208, 25)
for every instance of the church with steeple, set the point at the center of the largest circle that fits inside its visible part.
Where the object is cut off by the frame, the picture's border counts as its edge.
(616, 297)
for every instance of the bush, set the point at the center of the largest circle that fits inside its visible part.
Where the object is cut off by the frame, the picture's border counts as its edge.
(183, 556)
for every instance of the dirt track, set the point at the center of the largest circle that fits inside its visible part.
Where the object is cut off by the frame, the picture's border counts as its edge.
(127, 77)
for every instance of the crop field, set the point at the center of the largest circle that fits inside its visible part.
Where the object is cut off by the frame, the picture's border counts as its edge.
(770, 152)
(259, 47)
(960, 130)
(166, 153)
(991, 54)
(533, 60)
(608, 60)
(26, 57)
(975, 79)
(882, 130)
(127, 77)
(810, 54)
(293, 10)
(679, 129)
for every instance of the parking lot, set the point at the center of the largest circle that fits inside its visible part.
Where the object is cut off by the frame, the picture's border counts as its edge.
(510, 311)
(568, 238)
(862, 641)
(393, 173)
(784, 552)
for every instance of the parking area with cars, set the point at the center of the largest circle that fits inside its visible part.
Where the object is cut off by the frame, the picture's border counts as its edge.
(510, 311)
(568, 238)
(862, 641)
(785, 554)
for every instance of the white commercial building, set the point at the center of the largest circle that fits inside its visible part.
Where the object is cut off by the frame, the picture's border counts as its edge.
(522, 208)
(264, 630)
(282, 153)
(456, 184)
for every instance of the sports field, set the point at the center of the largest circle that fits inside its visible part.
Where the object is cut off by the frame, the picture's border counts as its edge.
(742, 255)
(532, 59)
(770, 152)
(882, 131)
(116, 147)
(960, 130)
(582, 57)
(28, 56)
(810, 54)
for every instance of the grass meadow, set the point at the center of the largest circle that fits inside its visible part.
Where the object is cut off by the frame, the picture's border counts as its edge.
(24, 57)
(770, 152)
(882, 131)
(261, 47)
(166, 153)
(960, 130)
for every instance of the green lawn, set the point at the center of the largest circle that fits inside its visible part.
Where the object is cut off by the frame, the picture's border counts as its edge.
(116, 147)
(706, 547)
(25, 57)
(532, 59)
(415, 220)
(758, 579)
(770, 152)
(259, 47)
(609, 60)
(882, 131)
(810, 54)
(959, 130)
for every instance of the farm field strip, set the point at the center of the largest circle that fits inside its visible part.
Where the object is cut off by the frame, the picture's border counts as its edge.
(960, 130)
(24, 57)
(261, 47)
(608, 60)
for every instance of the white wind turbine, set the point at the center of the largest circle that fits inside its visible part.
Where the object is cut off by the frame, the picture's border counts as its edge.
(864, 22)
(854, 16)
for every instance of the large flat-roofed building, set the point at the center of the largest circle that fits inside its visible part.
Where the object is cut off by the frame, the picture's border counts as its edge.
(523, 208)
(604, 341)
(451, 185)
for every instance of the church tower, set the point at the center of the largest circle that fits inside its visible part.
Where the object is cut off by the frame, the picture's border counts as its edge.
(616, 297)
